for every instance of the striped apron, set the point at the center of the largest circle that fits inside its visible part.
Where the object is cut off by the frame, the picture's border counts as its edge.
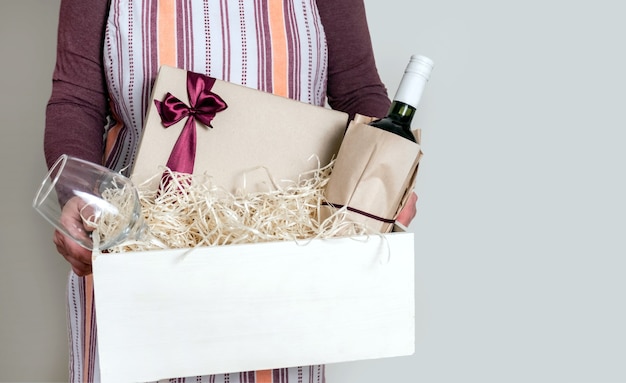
(272, 45)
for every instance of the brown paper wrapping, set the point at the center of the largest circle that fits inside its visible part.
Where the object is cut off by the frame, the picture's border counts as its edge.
(373, 175)
(259, 134)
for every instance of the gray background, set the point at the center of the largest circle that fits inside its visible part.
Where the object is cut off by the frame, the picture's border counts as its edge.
(520, 255)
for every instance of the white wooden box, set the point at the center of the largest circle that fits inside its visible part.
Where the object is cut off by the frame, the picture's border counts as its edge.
(211, 310)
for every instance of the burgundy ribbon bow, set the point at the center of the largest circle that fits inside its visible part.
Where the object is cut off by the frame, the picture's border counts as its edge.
(203, 106)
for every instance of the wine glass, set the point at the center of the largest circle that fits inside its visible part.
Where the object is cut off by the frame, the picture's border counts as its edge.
(95, 206)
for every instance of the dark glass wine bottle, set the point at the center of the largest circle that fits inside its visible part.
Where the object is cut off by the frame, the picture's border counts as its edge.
(402, 110)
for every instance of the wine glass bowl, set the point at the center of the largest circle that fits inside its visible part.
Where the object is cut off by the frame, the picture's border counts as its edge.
(95, 206)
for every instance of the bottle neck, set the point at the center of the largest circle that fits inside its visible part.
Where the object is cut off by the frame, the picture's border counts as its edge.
(401, 113)
(413, 81)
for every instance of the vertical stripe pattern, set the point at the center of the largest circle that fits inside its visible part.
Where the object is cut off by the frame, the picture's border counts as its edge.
(278, 42)
(273, 45)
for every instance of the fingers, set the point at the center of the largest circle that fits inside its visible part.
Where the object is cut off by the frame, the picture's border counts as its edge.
(77, 256)
(72, 219)
(409, 211)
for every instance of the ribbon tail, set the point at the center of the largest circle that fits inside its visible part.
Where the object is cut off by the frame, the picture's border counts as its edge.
(183, 154)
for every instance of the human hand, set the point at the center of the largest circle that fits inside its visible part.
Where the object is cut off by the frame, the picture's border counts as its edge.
(409, 210)
(78, 257)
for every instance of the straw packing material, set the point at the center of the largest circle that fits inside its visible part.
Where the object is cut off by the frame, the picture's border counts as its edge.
(187, 211)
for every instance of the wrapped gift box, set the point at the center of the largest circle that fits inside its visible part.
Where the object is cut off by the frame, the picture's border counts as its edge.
(209, 310)
(257, 129)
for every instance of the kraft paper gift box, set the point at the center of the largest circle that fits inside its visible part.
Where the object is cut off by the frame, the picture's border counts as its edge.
(210, 310)
(257, 129)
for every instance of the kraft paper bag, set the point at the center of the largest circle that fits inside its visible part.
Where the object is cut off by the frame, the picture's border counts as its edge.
(257, 134)
(373, 175)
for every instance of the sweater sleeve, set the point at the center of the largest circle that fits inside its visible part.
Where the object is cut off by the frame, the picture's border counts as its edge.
(354, 85)
(77, 108)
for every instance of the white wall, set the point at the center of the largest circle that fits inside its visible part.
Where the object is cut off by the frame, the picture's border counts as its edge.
(520, 253)
(33, 340)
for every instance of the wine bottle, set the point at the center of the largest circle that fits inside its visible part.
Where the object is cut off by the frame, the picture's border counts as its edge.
(408, 95)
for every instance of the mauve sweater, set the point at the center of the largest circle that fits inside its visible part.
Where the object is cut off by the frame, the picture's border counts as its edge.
(78, 106)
